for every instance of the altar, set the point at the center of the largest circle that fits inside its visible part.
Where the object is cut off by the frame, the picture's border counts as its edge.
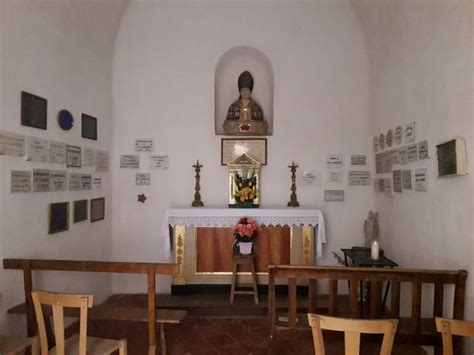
(201, 241)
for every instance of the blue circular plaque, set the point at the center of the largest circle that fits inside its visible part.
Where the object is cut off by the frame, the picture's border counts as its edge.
(65, 120)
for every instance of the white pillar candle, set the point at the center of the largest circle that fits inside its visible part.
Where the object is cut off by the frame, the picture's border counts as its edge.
(374, 250)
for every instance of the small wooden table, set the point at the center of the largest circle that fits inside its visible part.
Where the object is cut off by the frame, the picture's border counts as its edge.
(240, 259)
(361, 257)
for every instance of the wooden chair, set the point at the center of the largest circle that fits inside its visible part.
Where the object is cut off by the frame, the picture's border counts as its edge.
(352, 329)
(77, 344)
(243, 260)
(450, 327)
(13, 345)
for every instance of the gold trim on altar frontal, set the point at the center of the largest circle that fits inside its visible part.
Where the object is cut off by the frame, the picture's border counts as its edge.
(179, 239)
(292, 233)
(308, 246)
(302, 241)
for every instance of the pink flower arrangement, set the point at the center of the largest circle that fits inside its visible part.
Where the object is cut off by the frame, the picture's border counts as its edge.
(246, 227)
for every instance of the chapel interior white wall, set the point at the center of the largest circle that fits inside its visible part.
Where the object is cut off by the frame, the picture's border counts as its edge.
(420, 55)
(165, 59)
(61, 51)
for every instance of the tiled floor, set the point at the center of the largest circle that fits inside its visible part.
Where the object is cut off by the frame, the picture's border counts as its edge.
(213, 326)
(193, 336)
(221, 336)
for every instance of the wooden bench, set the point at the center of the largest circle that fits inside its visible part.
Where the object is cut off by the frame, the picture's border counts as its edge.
(150, 315)
(414, 330)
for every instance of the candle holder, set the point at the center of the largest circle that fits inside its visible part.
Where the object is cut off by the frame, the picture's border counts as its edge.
(197, 195)
(293, 198)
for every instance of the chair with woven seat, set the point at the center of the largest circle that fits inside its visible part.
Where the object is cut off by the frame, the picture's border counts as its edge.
(450, 327)
(352, 329)
(79, 344)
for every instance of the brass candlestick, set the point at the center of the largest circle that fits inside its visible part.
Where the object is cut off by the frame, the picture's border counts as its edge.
(197, 195)
(293, 198)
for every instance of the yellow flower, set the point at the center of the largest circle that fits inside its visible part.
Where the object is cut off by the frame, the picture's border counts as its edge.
(245, 194)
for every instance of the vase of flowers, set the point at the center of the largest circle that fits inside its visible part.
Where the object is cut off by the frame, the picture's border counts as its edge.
(246, 191)
(245, 231)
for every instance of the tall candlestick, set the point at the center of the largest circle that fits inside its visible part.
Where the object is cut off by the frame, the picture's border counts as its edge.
(197, 195)
(293, 198)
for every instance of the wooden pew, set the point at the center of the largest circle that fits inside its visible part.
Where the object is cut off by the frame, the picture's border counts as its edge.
(150, 315)
(414, 330)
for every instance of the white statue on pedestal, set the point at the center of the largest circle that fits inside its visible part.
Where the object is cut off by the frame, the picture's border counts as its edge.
(371, 228)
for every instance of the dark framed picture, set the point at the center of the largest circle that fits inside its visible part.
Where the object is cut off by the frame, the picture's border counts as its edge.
(255, 147)
(89, 127)
(97, 209)
(452, 158)
(80, 211)
(34, 111)
(58, 217)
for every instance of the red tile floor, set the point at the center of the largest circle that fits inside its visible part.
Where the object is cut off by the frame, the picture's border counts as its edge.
(213, 326)
(223, 336)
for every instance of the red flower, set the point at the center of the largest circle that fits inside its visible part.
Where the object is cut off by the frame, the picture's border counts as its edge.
(247, 227)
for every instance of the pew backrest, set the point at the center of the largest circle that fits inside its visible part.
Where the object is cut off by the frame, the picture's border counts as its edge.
(333, 274)
(148, 269)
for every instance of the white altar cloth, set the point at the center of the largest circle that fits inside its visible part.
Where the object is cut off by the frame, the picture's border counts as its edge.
(228, 217)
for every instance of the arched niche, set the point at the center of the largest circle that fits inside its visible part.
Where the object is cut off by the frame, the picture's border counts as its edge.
(230, 65)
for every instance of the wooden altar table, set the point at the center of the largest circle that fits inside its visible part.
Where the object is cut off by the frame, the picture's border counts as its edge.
(209, 252)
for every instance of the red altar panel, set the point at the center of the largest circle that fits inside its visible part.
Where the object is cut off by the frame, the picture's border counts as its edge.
(214, 248)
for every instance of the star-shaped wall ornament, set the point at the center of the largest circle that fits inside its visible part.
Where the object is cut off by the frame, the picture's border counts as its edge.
(141, 198)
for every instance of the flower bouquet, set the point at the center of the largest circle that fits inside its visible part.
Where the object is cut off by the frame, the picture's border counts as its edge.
(246, 190)
(245, 231)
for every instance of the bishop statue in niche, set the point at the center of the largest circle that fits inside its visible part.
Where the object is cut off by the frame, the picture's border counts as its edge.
(245, 116)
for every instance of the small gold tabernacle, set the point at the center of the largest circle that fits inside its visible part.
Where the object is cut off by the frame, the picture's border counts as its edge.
(244, 182)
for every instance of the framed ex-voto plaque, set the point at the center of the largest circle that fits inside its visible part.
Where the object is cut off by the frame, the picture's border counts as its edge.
(452, 158)
(73, 156)
(58, 217)
(97, 209)
(253, 147)
(89, 127)
(80, 211)
(34, 111)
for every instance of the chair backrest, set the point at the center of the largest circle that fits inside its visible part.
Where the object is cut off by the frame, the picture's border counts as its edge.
(58, 301)
(450, 327)
(352, 329)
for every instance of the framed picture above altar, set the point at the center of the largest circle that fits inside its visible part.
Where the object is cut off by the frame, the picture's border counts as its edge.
(254, 147)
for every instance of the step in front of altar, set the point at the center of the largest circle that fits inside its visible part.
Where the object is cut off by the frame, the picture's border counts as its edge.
(217, 305)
